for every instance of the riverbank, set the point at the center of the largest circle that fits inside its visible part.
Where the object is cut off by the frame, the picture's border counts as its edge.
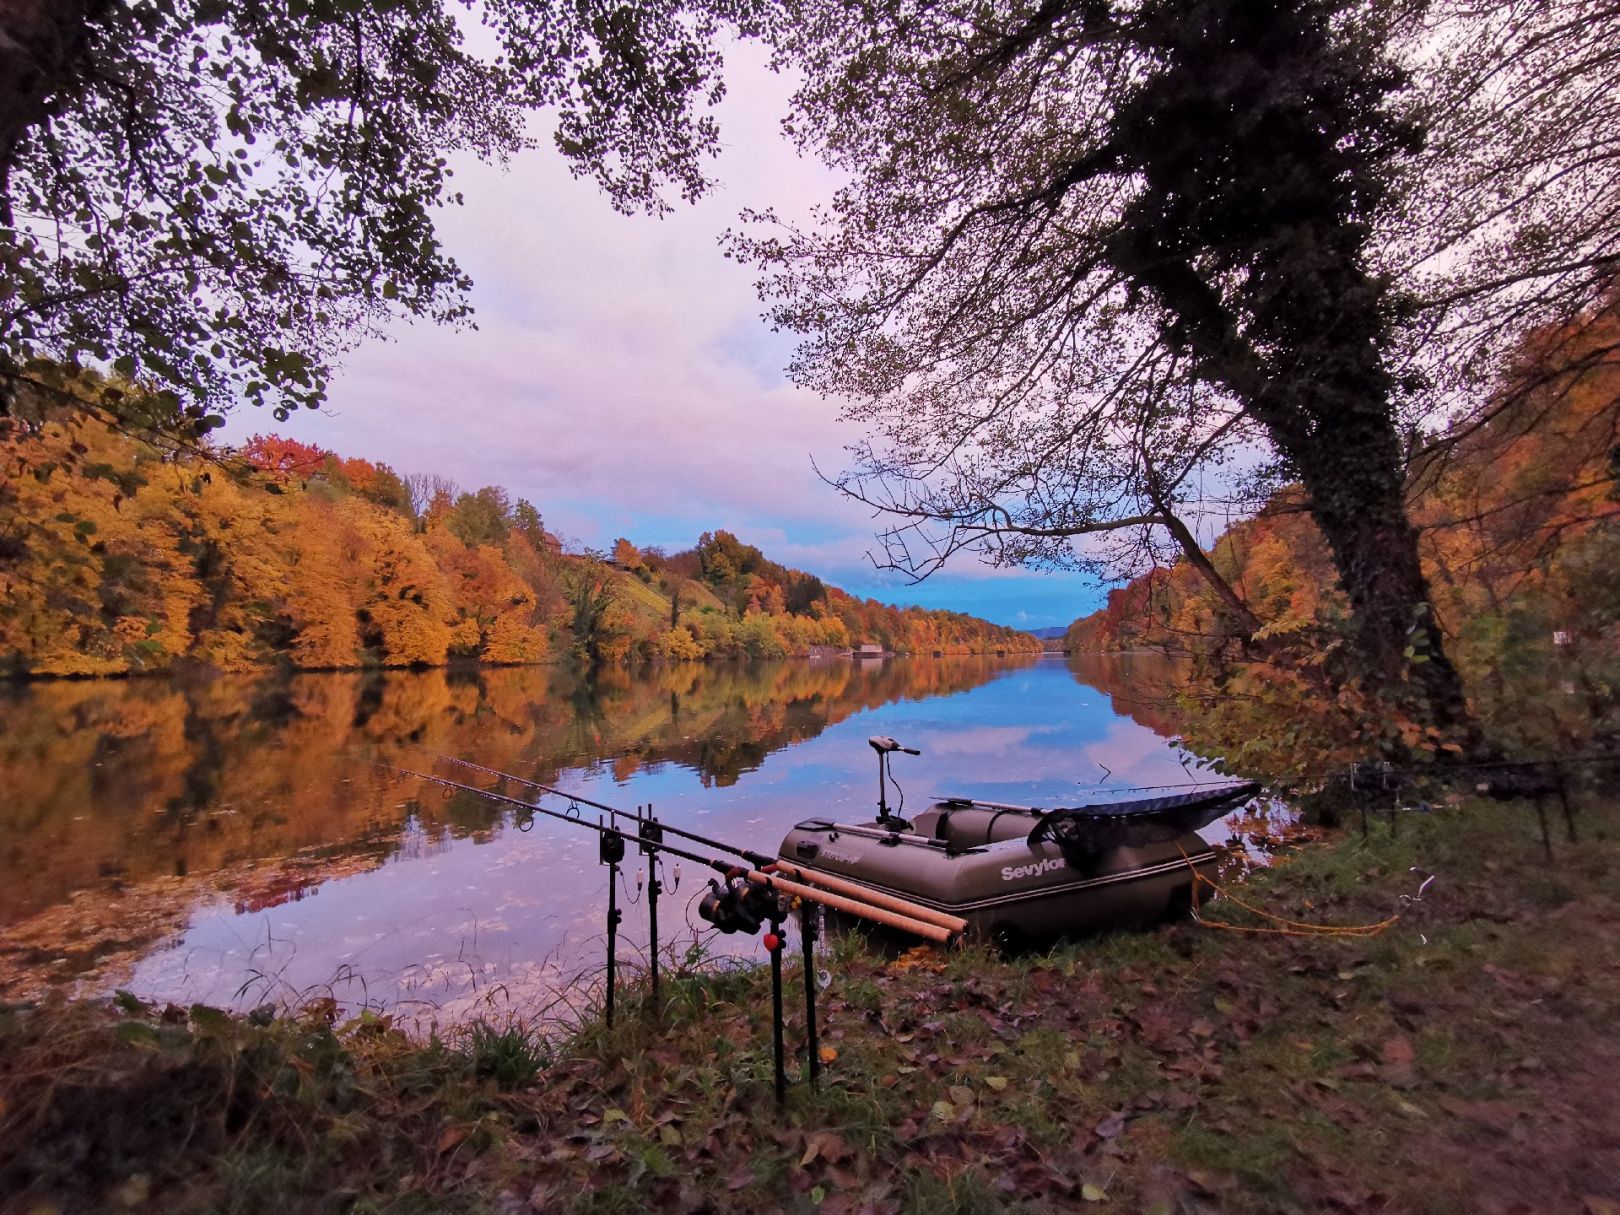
(1464, 1059)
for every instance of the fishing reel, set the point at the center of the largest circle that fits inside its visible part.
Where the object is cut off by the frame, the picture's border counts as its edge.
(739, 906)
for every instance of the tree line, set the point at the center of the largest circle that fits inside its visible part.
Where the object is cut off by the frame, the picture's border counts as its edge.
(119, 556)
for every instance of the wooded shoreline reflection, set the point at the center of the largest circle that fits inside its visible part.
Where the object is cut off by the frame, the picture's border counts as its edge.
(113, 782)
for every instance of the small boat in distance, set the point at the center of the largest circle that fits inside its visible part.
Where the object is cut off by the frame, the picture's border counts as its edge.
(1021, 873)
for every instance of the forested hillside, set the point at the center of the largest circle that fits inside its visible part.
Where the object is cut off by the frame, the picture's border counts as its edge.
(117, 556)
(1519, 517)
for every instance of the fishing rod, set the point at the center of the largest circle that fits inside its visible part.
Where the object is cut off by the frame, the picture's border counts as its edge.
(753, 858)
(757, 859)
(727, 904)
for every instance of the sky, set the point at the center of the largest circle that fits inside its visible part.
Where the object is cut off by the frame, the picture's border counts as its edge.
(621, 378)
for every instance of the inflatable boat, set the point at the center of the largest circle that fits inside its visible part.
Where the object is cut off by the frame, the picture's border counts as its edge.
(1019, 873)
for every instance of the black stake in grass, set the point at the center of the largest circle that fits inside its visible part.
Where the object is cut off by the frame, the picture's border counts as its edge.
(652, 837)
(612, 852)
(773, 943)
(808, 915)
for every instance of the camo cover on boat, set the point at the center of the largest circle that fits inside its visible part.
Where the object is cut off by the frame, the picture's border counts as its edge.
(1083, 831)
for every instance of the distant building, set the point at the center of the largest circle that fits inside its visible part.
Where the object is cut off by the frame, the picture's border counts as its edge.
(869, 651)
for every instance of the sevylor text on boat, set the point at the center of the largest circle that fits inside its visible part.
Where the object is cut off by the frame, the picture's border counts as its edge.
(1022, 872)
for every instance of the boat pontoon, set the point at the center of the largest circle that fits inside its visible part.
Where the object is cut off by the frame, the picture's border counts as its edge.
(1023, 872)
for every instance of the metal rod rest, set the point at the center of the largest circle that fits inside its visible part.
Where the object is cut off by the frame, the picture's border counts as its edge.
(776, 1013)
(651, 836)
(809, 913)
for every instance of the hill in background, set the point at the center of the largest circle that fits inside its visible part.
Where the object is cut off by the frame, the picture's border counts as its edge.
(117, 556)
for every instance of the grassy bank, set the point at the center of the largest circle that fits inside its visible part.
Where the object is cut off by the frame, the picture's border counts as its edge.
(1465, 1059)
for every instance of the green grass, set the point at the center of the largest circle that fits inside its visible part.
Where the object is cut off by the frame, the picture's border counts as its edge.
(512, 1057)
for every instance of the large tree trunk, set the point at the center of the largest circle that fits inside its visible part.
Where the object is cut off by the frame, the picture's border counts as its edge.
(1352, 473)
(40, 42)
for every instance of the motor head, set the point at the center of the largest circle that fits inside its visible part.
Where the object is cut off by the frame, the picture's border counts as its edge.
(883, 744)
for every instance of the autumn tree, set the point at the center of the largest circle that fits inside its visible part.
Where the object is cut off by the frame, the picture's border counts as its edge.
(626, 555)
(424, 489)
(482, 517)
(216, 197)
(1090, 250)
(527, 523)
(599, 623)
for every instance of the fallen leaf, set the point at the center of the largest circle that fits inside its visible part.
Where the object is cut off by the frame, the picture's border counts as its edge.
(828, 1053)
(1093, 1193)
(1397, 1050)
(1111, 1127)
(996, 1082)
(134, 1192)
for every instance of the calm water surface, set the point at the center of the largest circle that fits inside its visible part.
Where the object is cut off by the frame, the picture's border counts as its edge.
(233, 841)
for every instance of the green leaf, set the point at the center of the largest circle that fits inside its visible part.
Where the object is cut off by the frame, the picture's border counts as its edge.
(136, 1033)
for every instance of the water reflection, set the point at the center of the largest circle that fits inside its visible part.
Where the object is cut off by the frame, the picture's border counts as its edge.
(231, 840)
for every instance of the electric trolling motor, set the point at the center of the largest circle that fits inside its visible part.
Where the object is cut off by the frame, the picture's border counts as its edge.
(885, 747)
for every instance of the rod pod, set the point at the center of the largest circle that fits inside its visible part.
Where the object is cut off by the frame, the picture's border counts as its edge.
(611, 852)
(853, 906)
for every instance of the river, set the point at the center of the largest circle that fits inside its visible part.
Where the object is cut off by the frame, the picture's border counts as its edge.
(233, 841)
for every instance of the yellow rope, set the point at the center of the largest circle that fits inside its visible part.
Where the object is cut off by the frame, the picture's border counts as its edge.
(1290, 928)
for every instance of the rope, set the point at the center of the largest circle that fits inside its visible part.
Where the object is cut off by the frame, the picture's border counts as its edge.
(1288, 928)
